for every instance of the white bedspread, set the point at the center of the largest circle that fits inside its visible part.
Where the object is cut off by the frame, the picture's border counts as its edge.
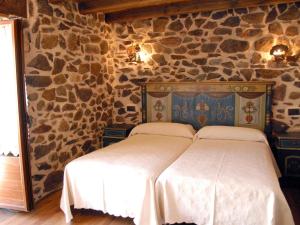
(223, 182)
(120, 178)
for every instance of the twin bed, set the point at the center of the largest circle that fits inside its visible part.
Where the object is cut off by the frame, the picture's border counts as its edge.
(165, 173)
(226, 177)
(120, 179)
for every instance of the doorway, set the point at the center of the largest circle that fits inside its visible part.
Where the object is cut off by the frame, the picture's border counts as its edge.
(15, 184)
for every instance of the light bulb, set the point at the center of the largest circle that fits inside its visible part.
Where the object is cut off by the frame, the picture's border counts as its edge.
(144, 57)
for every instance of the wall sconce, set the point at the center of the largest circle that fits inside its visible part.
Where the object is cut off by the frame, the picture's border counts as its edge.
(279, 52)
(136, 54)
(133, 53)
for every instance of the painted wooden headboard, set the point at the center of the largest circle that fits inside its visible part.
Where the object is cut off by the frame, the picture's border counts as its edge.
(246, 104)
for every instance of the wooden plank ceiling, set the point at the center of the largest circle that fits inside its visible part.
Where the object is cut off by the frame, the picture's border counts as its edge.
(13, 8)
(128, 10)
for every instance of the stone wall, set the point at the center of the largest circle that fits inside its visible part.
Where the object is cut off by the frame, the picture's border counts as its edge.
(78, 78)
(68, 68)
(220, 45)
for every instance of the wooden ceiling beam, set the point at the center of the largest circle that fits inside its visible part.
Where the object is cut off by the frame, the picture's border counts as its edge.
(55, 1)
(13, 7)
(111, 6)
(185, 7)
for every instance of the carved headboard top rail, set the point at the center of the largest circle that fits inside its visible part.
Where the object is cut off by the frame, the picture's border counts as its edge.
(231, 103)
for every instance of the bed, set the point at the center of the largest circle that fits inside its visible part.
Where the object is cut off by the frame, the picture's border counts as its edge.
(222, 178)
(120, 179)
(227, 176)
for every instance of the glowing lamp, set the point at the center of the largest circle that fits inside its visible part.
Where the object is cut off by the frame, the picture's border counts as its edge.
(136, 54)
(279, 52)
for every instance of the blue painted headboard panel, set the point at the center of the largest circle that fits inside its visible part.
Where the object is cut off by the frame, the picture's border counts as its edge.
(246, 104)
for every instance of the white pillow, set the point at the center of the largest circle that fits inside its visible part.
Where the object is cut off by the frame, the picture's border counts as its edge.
(231, 133)
(165, 128)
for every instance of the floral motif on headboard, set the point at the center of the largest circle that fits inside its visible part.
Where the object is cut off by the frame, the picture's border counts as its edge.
(245, 104)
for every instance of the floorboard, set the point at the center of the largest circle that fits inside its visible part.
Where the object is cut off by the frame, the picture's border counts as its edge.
(47, 212)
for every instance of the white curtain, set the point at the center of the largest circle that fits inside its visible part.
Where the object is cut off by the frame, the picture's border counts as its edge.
(9, 124)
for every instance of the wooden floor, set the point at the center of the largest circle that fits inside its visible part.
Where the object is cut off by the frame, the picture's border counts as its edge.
(47, 212)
